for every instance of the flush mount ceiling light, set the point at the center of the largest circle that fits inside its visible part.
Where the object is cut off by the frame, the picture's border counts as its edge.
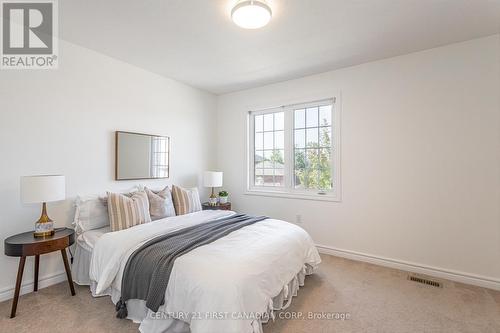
(251, 14)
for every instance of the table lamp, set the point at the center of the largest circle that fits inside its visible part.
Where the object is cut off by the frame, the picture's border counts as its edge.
(43, 189)
(212, 179)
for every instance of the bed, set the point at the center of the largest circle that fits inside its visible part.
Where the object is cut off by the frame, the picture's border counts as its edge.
(231, 285)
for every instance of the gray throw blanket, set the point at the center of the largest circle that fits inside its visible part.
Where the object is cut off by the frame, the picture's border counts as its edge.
(148, 269)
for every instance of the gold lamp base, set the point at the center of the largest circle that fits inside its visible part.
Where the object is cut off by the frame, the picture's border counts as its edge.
(44, 226)
(212, 200)
(43, 234)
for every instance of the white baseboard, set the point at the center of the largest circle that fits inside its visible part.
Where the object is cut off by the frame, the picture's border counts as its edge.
(456, 276)
(27, 287)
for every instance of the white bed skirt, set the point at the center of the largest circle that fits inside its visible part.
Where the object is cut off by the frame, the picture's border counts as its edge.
(151, 322)
(81, 265)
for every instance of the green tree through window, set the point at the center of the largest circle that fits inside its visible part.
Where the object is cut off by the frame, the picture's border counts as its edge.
(312, 164)
(276, 157)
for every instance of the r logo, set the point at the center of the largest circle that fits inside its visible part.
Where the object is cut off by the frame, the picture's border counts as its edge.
(27, 27)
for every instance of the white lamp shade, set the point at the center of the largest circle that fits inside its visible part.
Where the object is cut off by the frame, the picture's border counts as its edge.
(36, 189)
(212, 179)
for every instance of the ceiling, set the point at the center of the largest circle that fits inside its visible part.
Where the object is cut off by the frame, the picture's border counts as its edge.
(195, 41)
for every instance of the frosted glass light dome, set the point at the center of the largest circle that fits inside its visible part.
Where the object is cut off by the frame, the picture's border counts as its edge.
(251, 14)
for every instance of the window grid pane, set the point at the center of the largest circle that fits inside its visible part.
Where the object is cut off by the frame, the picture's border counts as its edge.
(259, 124)
(268, 122)
(300, 118)
(325, 115)
(269, 151)
(312, 148)
(312, 117)
(159, 154)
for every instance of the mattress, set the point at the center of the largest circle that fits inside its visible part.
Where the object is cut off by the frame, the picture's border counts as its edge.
(89, 238)
(83, 254)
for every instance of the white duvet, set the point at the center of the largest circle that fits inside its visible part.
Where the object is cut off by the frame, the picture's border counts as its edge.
(219, 287)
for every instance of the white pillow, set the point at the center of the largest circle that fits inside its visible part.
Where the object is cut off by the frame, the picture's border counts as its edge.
(91, 213)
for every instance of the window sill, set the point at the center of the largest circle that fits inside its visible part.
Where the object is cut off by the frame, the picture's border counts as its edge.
(300, 196)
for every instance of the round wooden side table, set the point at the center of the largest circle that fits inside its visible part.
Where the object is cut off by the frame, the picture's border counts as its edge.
(219, 206)
(25, 245)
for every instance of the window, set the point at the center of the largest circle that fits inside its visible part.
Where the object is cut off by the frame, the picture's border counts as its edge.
(294, 150)
(159, 156)
(269, 140)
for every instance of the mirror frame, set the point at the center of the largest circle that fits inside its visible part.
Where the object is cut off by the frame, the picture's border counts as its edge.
(144, 134)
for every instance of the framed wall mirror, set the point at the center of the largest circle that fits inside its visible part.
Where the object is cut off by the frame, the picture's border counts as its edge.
(141, 156)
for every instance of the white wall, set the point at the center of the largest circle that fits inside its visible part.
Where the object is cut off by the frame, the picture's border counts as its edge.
(63, 121)
(420, 157)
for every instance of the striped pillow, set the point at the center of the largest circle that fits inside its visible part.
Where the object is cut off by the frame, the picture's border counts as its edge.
(125, 211)
(160, 203)
(186, 200)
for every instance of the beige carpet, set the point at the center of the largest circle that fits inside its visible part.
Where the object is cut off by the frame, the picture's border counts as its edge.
(376, 299)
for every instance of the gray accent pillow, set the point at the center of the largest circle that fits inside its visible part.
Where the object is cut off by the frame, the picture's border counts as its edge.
(160, 203)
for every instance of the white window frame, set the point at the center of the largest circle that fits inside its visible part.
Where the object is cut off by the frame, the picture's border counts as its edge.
(288, 191)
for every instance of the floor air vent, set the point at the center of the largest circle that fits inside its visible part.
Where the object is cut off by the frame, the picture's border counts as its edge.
(426, 281)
